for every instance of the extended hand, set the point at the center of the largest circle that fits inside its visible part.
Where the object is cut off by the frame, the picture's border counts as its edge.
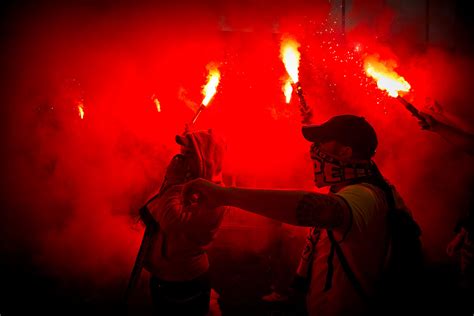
(203, 193)
(430, 123)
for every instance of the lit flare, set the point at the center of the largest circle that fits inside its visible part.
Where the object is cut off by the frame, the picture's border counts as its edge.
(80, 110)
(387, 79)
(210, 89)
(157, 103)
(287, 90)
(291, 57)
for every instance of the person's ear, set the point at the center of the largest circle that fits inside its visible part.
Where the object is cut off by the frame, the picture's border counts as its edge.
(345, 152)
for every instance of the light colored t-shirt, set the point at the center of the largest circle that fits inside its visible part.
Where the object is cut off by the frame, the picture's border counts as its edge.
(364, 246)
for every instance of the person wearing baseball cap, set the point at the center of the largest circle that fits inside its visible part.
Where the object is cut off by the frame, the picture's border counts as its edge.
(342, 149)
(344, 256)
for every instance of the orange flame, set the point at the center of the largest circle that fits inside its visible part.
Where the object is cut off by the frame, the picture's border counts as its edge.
(387, 79)
(157, 103)
(210, 89)
(80, 110)
(290, 56)
(287, 90)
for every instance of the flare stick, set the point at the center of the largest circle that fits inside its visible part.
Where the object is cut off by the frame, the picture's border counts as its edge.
(411, 108)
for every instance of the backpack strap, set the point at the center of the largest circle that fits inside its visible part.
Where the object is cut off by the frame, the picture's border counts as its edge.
(376, 180)
(336, 248)
(329, 275)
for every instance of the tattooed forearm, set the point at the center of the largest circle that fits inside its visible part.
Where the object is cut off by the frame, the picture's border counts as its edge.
(317, 210)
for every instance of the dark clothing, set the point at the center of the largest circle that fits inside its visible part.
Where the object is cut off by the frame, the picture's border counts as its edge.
(181, 298)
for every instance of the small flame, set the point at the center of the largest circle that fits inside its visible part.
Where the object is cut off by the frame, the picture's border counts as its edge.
(290, 56)
(80, 110)
(210, 89)
(387, 79)
(157, 103)
(287, 90)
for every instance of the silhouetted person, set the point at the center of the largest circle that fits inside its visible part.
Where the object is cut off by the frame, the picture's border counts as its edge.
(354, 218)
(177, 261)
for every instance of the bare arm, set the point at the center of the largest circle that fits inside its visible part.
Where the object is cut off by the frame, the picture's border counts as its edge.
(294, 207)
(453, 134)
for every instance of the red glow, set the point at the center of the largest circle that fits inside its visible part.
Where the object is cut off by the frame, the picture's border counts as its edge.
(73, 187)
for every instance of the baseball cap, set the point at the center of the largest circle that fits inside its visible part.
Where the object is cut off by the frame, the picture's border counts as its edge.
(349, 130)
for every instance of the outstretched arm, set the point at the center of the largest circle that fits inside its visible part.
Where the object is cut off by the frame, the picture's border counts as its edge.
(294, 207)
(460, 138)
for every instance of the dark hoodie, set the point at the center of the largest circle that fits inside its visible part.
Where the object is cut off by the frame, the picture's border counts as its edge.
(178, 250)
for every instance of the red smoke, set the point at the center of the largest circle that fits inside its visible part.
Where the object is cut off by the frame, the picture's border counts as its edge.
(72, 187)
